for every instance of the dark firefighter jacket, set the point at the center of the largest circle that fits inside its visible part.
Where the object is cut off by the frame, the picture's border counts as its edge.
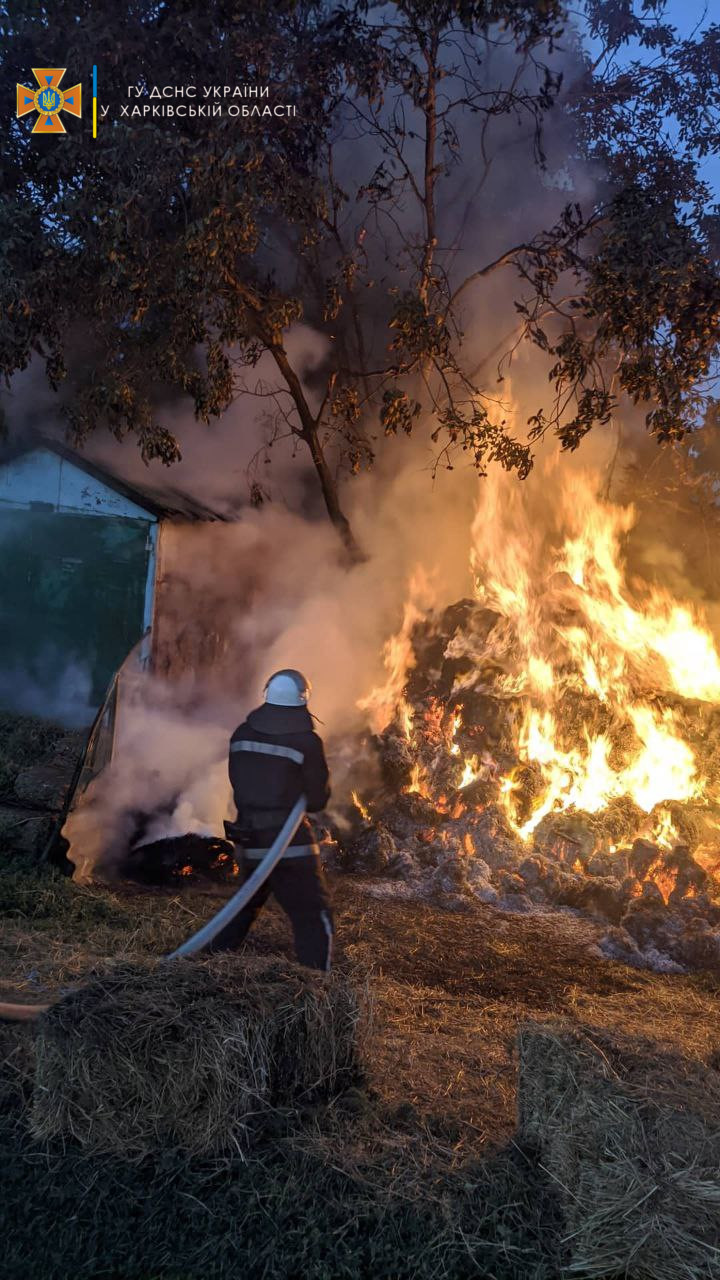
(275, 756)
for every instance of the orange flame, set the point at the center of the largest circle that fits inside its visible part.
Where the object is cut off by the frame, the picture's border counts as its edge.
(572, 632)
(362, 809)
(609, 650)
(387, 701)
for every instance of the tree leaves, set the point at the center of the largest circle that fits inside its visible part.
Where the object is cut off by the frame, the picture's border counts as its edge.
(172, 258)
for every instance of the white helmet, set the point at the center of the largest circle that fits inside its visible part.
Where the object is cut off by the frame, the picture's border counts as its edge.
(287, 689)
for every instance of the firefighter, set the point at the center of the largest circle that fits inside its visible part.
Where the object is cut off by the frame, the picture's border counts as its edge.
(275, 757)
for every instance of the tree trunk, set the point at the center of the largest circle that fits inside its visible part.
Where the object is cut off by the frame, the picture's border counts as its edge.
(309, 434)
(308, 422)
(329, 489)
(430, 173)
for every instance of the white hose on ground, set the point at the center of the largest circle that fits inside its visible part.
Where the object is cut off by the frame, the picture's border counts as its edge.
(240, 899)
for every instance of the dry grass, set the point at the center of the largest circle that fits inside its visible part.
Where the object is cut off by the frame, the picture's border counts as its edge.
(418, 1175)
(449, 991)
(679, 1014)
(191, 1056)
(631, 1138)
(24, 740)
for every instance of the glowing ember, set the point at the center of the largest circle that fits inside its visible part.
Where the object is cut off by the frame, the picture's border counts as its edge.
(225, 862)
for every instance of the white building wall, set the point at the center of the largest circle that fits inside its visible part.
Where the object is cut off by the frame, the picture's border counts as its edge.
(43, 477)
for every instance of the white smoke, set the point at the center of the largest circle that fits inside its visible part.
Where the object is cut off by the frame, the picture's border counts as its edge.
(64, 697)
(168, 776)
(275, 576)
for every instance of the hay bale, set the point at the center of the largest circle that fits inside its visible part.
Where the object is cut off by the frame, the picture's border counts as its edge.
(631, 1140)
(191, 1056)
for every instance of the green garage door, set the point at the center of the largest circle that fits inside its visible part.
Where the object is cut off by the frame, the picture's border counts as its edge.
(72, 592)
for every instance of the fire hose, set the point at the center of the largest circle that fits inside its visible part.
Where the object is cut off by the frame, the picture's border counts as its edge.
(205, 936)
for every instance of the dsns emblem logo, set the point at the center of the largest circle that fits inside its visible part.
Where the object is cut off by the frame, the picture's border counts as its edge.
(49, 100)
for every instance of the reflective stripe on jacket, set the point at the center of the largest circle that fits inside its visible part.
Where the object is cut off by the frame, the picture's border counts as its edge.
(276, 756)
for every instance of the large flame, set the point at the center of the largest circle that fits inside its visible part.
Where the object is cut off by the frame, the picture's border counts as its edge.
(593, 662)
(577, 627)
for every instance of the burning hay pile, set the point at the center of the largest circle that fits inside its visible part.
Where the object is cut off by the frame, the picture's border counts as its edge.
(190, 858)
(191, 1057)
(631, 1141)
(555, 740)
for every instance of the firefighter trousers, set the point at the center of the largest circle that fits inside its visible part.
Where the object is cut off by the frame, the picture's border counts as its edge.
(300, 887)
